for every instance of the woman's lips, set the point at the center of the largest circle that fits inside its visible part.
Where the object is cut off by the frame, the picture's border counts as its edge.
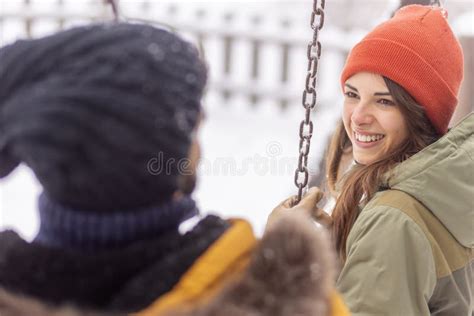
(367, 140)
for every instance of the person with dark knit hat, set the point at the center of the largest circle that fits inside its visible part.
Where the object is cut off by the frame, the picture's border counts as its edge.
(402, 221)
(106, 116)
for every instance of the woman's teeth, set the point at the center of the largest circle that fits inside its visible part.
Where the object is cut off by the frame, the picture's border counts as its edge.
(368, 138)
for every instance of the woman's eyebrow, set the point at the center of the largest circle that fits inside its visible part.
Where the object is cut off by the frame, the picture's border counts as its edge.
(351, 87)
(376, 93)
(382, 93)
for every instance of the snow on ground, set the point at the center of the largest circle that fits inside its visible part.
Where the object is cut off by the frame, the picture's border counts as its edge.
(261, 147)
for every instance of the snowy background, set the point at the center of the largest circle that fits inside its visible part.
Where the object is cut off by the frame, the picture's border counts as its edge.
(250, 135)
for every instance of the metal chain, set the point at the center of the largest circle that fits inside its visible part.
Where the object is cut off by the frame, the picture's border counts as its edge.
(309, 98)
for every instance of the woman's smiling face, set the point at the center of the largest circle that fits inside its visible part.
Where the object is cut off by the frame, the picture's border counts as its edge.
(372, 119)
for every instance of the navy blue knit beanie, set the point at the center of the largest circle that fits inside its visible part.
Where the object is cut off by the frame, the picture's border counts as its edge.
(87, 109)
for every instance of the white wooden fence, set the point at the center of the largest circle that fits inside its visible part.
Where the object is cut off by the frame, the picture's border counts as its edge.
(258, 55)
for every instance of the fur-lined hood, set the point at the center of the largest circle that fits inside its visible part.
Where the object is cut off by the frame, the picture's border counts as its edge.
(290, 273)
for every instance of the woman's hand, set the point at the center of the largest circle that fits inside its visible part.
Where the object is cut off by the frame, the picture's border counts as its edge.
(307, 206)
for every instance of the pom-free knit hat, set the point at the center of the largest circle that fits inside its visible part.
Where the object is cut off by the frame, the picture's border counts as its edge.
(418, 50)
(90, 108)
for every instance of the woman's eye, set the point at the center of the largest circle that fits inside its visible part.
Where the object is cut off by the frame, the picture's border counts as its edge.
(350, 94)
(386, 102)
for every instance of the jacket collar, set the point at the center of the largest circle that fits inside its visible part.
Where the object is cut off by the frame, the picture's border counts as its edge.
(440, 177)
(113, 279)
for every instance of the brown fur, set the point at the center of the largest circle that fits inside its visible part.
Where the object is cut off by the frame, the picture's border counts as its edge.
(290, 273)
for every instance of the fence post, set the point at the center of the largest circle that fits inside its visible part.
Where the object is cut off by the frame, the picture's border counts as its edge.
(228, 41)
(255, 56)
(28, 20)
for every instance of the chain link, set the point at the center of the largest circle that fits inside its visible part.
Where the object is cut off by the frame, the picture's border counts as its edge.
(309, 98)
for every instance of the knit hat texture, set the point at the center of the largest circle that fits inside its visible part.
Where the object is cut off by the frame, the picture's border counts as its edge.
(87, 109)
(418, 50)
(61, 227)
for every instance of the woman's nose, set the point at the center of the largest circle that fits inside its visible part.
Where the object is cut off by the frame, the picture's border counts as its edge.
(362, 114)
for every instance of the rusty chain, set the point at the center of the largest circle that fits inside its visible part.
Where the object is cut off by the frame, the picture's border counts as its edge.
(309, 98)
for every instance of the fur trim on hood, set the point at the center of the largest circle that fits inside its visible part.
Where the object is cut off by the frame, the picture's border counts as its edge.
(291, 272)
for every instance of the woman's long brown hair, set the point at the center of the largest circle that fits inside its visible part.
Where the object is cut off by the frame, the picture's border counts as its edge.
(358, 185)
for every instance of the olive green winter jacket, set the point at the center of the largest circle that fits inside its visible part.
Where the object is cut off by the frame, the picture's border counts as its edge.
(410, 252)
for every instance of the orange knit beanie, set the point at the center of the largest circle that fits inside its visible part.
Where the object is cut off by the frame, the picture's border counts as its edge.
(418, 50)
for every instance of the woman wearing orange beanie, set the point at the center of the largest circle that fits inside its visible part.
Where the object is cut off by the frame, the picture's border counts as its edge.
(403, 217)
(402, 222)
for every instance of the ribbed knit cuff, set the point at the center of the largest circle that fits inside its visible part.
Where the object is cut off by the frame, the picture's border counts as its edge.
(64, 227)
